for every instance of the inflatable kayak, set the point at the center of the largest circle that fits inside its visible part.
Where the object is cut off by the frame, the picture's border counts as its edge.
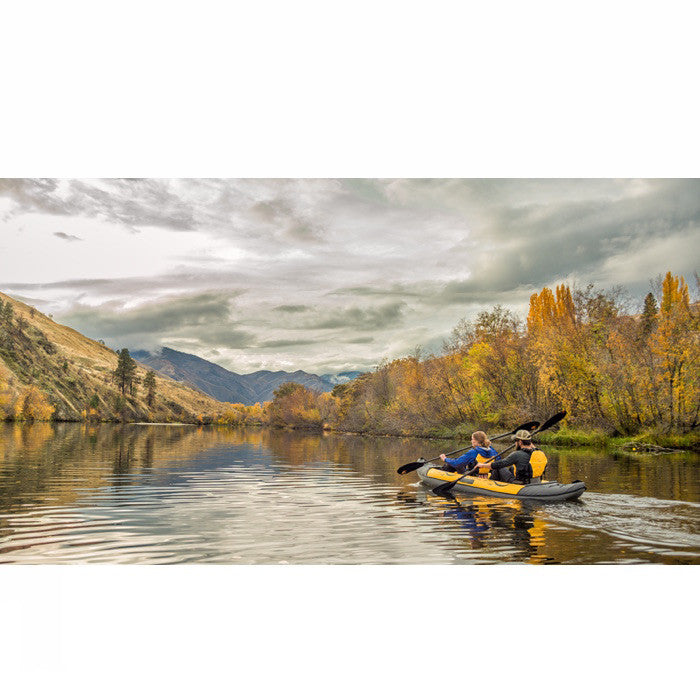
(542, 491)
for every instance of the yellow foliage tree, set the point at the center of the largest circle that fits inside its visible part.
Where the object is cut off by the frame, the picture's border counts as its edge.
(675, 342)
(296, 406)
(32, 404)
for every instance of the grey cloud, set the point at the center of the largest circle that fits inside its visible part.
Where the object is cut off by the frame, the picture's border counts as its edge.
(539, 245)
(134, 203)
(264, 211)
(283, 216)
(226, 337)
(67, 236)
(395, 290)
(292, 308)
(363, 340)
(127, 286)
(477, 293)
(371, 318)
(303, 232)
(258, 211)
(286, 343)
(159, 316)
(33, 195)
(205, 317)
(66, 284)
(30, 301)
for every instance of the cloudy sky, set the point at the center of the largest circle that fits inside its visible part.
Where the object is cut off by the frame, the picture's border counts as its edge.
(325, 275)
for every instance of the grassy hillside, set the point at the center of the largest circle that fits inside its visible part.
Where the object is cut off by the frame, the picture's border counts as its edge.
(43, 361)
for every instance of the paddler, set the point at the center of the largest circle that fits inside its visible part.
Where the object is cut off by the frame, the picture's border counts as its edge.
(481, 445)
(501, 468)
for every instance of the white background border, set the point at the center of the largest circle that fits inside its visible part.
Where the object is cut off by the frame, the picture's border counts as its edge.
(439, 89)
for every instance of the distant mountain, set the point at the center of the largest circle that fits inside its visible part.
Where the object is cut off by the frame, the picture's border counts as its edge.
(341, 377)
(206, 376)
(265, 382)
(224, 385)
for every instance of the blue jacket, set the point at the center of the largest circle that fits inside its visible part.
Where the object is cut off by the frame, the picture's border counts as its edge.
(463, 460)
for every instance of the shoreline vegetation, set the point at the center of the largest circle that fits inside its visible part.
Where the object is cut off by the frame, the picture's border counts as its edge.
(562, 438)
(624, 378)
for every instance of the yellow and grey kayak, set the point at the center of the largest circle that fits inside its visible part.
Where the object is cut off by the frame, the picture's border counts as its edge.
(541, 491)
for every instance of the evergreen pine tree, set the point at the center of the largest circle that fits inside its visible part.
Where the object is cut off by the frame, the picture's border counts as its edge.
(7, 314)
(150, 385)
(125, 372)
(649, 315)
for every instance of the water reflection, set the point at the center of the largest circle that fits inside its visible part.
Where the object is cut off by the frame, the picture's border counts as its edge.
(172, 494)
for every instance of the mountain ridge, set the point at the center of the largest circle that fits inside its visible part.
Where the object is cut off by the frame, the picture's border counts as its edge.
(225, 385)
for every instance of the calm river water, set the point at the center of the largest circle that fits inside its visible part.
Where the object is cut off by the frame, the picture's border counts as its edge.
(184, 494)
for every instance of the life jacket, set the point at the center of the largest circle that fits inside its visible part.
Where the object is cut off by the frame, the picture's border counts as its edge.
(484, 469)
(538, 463)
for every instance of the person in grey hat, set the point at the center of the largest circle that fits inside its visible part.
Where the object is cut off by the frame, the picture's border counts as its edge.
(501, 469)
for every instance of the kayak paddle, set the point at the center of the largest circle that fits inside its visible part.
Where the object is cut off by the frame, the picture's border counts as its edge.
(442, 489)
(412, 466)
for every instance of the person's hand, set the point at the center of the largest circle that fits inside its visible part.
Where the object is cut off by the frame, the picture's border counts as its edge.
(443, 457)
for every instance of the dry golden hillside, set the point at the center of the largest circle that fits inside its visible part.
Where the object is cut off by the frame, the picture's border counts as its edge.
(41, 360)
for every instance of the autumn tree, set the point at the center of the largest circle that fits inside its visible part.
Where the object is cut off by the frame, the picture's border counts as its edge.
(675, 342)
(92, 412)
(5, 399)
(295, 405)
(32, 404)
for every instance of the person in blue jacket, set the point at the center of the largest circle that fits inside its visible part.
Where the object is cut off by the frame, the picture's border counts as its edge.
(481, 445)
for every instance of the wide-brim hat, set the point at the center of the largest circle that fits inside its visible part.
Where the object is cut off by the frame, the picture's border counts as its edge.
(523, 435)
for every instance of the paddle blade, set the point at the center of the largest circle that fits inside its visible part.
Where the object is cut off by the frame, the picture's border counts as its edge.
(411, 466)
(529, 426)
(445, 488)
(552, 421)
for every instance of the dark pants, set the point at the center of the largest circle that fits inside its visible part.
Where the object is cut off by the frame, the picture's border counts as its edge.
(503, 474)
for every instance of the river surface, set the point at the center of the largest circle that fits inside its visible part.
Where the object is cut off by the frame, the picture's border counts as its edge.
(73, 493)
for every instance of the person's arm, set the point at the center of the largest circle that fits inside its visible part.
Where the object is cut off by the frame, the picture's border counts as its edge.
(505, 462)
(462, 460)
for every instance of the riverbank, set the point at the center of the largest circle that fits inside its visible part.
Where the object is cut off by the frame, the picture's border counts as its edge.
(564, 437)
(576, 438)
